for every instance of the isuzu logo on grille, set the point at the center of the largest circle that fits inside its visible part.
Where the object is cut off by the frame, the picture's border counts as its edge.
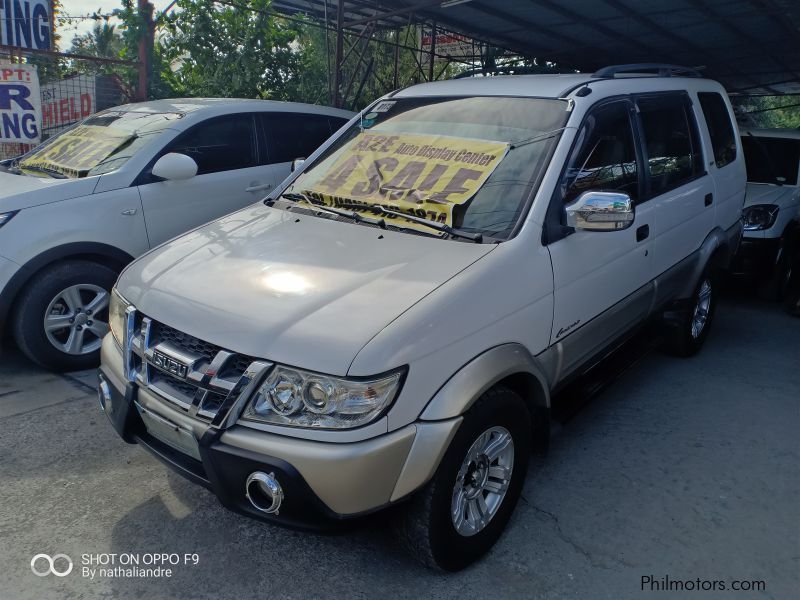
(170, 365)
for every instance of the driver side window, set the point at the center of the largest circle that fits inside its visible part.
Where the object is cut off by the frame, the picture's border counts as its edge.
(605, 159)
(220, 144)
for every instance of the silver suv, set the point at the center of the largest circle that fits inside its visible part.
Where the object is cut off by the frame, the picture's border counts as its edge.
(388, 328)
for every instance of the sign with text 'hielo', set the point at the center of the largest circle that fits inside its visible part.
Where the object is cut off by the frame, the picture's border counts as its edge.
(20, 104)
(26, 24)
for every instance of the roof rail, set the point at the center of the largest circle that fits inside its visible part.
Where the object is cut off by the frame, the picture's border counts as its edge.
(655, 69)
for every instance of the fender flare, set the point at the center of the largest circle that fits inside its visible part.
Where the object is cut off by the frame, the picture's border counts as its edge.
(110, 255)
(720, 246)
(464, 388)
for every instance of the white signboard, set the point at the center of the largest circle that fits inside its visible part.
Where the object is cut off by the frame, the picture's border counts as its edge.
(26, 24)
(20, 104)
(455, 46)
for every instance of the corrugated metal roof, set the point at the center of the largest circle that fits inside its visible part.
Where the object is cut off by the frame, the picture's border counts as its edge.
(751, 46)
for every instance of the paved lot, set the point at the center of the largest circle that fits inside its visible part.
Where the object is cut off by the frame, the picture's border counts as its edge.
(683, 468)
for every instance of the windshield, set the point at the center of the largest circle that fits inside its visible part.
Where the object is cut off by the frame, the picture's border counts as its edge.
(101, 143)
(771, 160)
(469, 163)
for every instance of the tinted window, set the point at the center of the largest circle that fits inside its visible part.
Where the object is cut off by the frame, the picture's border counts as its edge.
(671, 142)
(606, 158)
(219, 144)
(720, 128)
(769, 158)
(294, 135)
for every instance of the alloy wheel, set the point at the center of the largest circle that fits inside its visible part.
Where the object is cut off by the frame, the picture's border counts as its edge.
(76, 320)
(701, 309)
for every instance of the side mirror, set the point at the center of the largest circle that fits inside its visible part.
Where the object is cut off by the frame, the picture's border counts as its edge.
(297, 162)
(175, 167)
(601, 211)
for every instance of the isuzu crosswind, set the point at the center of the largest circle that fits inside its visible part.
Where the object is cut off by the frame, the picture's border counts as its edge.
(388, 328)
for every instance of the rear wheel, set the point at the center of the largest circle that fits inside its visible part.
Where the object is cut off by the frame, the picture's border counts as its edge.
(688, 326)
(62, 315)
(459, 515)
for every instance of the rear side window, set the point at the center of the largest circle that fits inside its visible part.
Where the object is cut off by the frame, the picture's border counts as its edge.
(720, 128)
(605, 158)
(294, 135)
(671, 141)
(220, 144)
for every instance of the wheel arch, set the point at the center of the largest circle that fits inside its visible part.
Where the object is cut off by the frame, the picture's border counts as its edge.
(508, 365)
(104, 254)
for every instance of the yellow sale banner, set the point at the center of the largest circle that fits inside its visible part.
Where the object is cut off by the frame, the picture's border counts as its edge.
(78, 150)
(421, 175)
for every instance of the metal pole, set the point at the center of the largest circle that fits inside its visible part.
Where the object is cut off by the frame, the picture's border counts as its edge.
(337, 74)
(396, 57)
(145, 48)
(433, 51)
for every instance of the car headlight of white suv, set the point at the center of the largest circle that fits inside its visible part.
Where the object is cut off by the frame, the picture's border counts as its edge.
(759, 216)
(301, 398)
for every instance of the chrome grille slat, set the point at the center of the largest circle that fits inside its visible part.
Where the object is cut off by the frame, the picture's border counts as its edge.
(214, 377)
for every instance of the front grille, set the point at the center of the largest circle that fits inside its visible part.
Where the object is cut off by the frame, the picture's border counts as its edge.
(196, 376)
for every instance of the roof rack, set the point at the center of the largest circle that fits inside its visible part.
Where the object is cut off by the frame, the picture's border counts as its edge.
(652, 69)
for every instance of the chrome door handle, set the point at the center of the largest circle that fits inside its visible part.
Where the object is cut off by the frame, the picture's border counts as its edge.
(258, 188)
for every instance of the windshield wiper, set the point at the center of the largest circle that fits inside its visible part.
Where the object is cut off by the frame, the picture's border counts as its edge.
(350, 214)
(51, 172)
(443, 227)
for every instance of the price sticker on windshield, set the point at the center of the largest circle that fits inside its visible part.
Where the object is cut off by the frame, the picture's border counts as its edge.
(421, 175)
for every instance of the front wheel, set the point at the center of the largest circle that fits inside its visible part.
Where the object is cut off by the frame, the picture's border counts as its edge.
(459, 515)
(62, 315)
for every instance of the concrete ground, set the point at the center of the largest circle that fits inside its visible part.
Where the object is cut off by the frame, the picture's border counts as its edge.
(687, 469)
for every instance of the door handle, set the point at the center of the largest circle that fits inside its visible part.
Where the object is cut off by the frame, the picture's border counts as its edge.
(258, 187)
(709, 199)
(642, 233)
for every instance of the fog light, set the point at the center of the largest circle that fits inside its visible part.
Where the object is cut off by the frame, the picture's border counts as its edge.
(104, 395)
(264, 492)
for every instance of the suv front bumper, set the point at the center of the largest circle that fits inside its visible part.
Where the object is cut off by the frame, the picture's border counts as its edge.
(756, 257)
(323, 483)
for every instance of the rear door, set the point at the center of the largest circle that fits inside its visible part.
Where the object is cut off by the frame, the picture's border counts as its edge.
(678, 185)
(228, 178)
(594, 272)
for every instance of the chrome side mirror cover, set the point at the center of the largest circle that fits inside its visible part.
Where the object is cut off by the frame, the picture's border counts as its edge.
(175, 167)
(601, 211)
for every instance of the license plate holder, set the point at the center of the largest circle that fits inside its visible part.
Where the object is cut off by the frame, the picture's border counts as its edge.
(170, 433)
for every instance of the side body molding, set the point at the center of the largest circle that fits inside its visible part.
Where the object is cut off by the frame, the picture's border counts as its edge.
(462, 390)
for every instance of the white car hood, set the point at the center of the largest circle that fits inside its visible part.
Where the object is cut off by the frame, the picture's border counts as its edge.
(291, 288)
(767, 193)
(23, 191)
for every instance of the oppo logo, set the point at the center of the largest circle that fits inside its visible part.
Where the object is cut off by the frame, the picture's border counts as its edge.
(49, 564)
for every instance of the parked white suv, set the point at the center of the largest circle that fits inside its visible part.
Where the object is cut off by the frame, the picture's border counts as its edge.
(78, 208)
(389, 327)
(771, 208)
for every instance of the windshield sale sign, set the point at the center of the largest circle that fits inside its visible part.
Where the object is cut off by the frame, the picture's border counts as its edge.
(20, 104)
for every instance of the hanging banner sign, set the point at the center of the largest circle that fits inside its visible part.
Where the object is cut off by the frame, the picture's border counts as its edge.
(26, 24)
(20, 104)
(421, 175)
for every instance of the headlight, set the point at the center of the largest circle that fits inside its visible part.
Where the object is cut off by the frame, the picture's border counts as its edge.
(303, 399)
(6, 217)
(759, 216)
(117, 316)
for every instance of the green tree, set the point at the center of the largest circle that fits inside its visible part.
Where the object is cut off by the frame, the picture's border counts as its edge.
(102, 41)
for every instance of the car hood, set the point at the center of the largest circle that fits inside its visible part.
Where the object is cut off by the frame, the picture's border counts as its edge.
(291, 288)
(767, 193)
(23, 191)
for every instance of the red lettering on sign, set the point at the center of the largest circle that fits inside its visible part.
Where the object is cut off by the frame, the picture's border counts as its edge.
(86, 104)
(63, 106)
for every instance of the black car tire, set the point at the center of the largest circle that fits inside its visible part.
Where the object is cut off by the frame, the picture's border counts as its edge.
(680, 320)
(32, 303)
(425, 526)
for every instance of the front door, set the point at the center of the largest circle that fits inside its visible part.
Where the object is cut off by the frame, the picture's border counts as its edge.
(229, 177)
(601, 277)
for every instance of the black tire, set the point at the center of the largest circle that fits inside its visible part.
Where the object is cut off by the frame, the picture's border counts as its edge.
(778, 285)
(425, 527)
(680, 320)
(32, 304)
